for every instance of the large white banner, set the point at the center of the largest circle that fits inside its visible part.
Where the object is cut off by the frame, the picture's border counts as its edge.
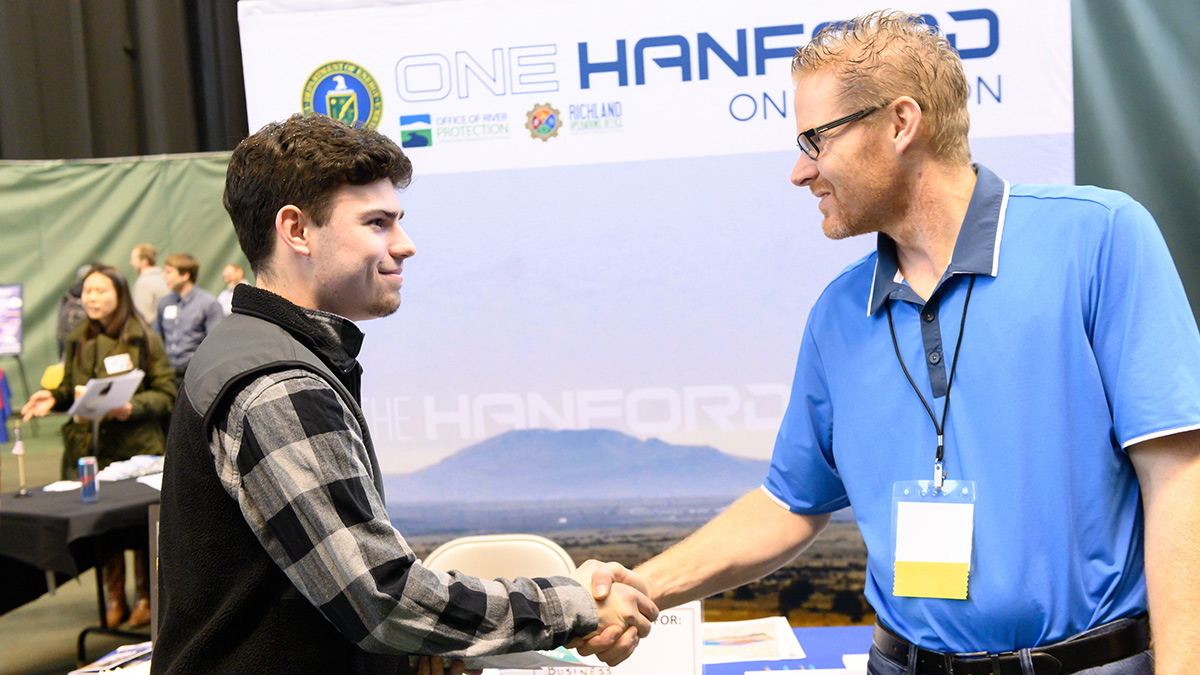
(606, 236)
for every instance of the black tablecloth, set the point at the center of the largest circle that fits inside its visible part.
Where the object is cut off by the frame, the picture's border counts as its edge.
(56, 532)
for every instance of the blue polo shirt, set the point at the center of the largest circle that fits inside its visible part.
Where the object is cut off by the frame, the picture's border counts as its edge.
(1079, 342)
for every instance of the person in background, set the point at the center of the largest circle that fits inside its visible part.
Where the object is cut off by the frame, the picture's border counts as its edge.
(233, 275)
(187, 314)
(148, 287)
(70, 309)
(113, 340)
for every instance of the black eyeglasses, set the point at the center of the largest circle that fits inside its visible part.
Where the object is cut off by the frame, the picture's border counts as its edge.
(807, 140)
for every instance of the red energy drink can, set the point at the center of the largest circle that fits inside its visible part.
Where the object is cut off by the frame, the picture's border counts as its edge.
(87, 476)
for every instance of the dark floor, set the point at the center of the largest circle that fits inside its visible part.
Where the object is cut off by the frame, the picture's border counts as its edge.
(40, 637)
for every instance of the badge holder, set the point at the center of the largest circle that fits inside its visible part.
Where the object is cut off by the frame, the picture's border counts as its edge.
(932, 534)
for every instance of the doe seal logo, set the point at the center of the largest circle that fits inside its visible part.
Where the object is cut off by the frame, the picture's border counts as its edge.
(344, 91)
(543, 121)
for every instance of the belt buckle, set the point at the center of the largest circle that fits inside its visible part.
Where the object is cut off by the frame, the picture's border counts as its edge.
(1043, 663)
(993, 659)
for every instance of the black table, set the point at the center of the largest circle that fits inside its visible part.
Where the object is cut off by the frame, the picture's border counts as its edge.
(54, 532)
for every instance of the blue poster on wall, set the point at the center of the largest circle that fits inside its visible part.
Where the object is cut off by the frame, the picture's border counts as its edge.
(11, 312)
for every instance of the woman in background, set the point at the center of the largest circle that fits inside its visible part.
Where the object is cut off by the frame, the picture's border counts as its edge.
(112, 341)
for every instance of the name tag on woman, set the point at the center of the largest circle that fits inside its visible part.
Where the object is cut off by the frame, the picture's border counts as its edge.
(118, 363)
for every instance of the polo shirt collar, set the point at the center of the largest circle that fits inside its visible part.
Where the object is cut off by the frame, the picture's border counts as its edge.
(977, 250)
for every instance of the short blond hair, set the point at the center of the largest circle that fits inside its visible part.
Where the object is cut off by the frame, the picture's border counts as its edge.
(883, 55)
(146, 252)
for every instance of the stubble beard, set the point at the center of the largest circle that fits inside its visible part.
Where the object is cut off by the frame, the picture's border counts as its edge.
(881, 197)
(838, 228)
(385, 305)
(365, 305)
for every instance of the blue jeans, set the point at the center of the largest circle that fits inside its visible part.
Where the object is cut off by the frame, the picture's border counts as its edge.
(1138, 664)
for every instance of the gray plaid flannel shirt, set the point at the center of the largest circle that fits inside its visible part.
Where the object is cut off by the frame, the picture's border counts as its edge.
(292, 455)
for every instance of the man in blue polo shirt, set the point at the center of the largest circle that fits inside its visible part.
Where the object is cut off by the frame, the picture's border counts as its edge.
(1007, 392)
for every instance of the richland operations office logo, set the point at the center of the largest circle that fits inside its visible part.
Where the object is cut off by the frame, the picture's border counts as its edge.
(344, 91)
(543, 121)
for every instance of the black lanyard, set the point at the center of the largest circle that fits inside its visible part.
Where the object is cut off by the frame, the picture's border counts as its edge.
(939, 474)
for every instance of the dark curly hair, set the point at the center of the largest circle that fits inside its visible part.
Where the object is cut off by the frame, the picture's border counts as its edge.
(302, 161)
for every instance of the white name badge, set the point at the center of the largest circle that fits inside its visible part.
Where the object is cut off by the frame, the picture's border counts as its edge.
(170, 311)
(933, 531)
(117, 363)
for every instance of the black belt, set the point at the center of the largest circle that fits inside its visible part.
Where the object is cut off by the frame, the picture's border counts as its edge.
(1126, 638)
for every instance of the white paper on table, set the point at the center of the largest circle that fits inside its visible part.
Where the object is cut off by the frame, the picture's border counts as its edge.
(63, 486)
(767, 639)
(557, 658)
(138, 465)
(102, 394)
(856, 663)
(154, 480)
(673, 647)
(124, 659)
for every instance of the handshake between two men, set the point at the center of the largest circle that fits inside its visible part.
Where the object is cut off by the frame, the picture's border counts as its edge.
(626, 614)
(624, 606)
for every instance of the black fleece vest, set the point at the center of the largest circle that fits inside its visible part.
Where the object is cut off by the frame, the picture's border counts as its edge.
(224, 605)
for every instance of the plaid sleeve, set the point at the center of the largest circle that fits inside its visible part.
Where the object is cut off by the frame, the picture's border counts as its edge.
(292, 454)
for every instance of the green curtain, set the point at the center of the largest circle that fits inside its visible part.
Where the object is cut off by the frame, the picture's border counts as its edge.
(58, 215)
(1137, 113)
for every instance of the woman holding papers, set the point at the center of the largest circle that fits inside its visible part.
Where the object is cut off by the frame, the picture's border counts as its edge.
(114, 340)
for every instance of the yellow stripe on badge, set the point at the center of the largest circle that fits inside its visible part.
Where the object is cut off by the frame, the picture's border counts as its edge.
(933, 549)
(917, 579)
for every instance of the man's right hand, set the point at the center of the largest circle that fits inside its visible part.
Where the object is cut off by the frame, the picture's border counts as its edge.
(38, 405)
(610, 643)
(626, 612)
